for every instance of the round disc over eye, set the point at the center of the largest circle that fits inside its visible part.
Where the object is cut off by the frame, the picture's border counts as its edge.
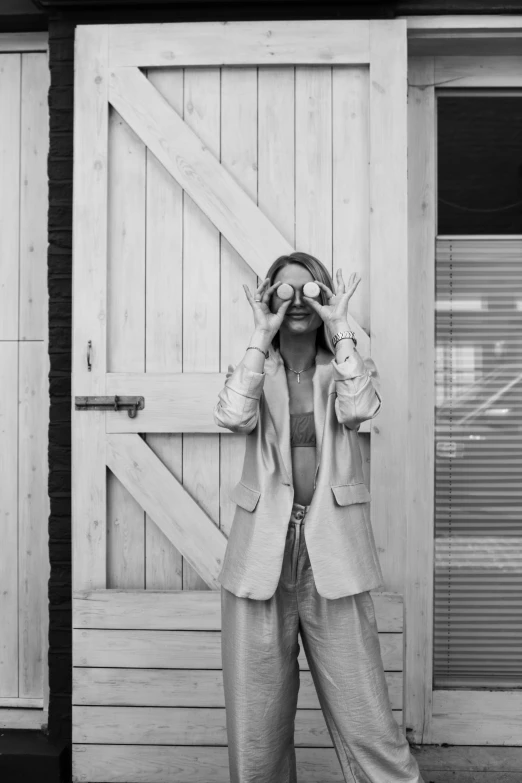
(285, 291)
(311, 289)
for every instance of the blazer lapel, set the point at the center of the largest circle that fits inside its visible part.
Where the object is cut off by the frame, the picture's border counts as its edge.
(321, 382)
(275, 390)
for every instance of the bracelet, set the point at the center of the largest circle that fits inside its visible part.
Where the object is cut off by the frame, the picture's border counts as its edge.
(255, 348)
(342, 336)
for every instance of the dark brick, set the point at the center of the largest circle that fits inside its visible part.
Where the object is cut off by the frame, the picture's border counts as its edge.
(60, 214)
(60, 98)
(59, 237)
(61, 50)
(60, 525)
(61, 122)
(61, 144)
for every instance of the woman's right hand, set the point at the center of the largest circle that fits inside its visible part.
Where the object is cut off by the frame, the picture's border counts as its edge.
(264, 319)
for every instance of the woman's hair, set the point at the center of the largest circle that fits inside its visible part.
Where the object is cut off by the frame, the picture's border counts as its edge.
(318, 272)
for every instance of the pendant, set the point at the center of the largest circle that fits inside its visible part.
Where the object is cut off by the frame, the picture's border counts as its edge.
(298, 377)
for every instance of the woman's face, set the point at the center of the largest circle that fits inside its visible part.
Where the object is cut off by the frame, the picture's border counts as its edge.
(299, 318)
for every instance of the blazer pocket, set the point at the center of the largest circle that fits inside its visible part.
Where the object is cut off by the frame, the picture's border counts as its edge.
(346, 494)
(244, 496)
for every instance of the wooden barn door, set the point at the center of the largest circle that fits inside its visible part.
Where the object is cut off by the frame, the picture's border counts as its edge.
(203, 152)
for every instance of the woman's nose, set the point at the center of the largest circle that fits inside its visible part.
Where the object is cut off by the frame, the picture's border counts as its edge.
(298, 297)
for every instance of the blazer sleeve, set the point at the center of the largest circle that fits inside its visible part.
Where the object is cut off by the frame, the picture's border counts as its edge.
(237, 408)
(358, 390)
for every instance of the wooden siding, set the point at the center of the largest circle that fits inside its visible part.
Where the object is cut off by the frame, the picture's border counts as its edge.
(24, 400)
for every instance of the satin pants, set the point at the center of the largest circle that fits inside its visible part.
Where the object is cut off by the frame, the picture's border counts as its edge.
(261, 678)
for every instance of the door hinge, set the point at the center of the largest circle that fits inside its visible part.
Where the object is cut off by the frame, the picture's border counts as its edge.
(115, 403)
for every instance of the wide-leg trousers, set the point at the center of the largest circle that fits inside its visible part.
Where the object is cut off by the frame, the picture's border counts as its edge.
(261, 678)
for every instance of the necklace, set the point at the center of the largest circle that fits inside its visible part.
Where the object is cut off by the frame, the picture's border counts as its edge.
(298, 373)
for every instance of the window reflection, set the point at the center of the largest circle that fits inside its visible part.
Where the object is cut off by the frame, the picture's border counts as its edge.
(478, 463)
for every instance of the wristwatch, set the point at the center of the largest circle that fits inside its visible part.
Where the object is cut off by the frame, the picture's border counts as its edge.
(341, 336)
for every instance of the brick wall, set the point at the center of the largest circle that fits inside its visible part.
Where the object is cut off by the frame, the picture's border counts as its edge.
(60, 165)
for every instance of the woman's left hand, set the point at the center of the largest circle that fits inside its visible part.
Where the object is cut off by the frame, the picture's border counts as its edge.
(335, 313)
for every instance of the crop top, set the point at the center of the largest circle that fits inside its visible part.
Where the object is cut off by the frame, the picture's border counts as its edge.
(302, 429)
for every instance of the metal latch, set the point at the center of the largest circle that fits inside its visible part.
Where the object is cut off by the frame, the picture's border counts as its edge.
(116, 403)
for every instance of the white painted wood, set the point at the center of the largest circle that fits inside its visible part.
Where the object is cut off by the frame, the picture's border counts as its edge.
(179, 726)
(276, 151)
(201, 311)
(10, 70)
(478, 71)
(389, 289)
(181, 649)
(24, 42)
(9, 519)
(419, 495)
(22, 703)
(239, 141)
(476, 717)
(33, 514)
(351, 183)
(164, 321)
(274, 42)
(20, 718)
(180, 150)
(313, 162)
(89, 503)
(174, 402)
(186, 610)
(126, 332)
(180, 518)
(182, 764)
(182, 688)
(34, 148)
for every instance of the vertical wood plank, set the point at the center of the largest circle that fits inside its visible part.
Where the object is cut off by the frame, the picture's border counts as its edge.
(33, 513)
(420, 490)
(389, 290)
(351, 183)
(164, 321)
(239, 158)
(10, 74)
(201, 318)
(89, 304)
(313, 153)
(9, 519)
(33, 196)
(351, 198)
(126, 332)
(276, 149)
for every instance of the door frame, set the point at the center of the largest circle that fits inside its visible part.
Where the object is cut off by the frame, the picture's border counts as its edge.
(443, 52)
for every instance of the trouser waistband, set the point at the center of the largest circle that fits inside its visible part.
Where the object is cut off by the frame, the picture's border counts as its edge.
(299, 513)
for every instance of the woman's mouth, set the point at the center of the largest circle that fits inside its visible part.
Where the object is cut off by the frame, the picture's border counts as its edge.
(297, 315)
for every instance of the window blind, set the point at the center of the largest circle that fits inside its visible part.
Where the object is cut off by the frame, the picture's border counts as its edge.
(478, 463)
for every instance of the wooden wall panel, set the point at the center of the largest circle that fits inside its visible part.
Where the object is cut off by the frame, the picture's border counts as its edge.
(33, 196)
(24, 398)
(201, 316)
(126, 331)
(33, 513)
(313, 162)
(10, 75)
(9, 518)
(164, 321)
(239, 157)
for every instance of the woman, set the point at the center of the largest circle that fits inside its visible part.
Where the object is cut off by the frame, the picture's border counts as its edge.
(301, 557)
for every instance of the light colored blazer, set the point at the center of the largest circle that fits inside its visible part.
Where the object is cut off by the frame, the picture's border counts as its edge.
(337, 529)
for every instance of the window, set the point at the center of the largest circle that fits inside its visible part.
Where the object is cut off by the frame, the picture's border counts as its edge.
(478, 416)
